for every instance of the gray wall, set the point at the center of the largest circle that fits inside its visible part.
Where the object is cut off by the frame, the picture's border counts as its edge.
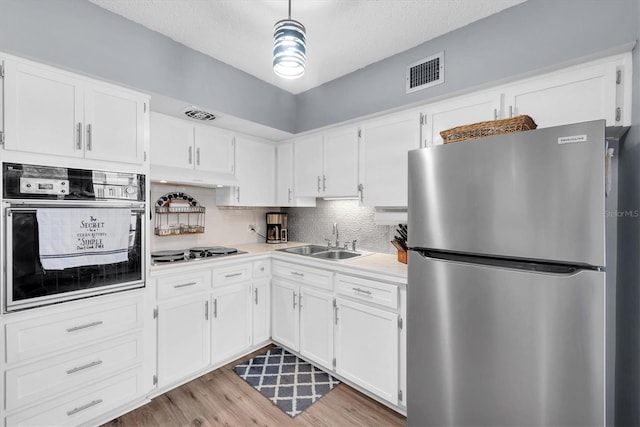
(628, 287)
(533, 35)
(313, 225)
(83, 37)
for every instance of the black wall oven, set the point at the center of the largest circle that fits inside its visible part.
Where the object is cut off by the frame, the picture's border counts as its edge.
(71, 233)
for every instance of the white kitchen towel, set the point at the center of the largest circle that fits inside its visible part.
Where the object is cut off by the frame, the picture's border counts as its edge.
(83, 236)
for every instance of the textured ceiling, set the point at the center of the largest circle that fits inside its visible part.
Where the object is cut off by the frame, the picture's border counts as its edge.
(343, 35)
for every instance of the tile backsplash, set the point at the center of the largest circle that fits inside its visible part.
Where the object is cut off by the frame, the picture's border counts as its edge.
(223, 226)
(313, 225)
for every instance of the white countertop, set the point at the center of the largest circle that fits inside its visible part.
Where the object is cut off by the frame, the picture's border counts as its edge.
(376, 263)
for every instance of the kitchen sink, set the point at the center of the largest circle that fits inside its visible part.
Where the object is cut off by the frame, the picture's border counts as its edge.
(305, 250)
(336, 254)
(322, 252)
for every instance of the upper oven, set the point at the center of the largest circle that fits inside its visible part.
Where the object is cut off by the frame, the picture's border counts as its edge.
(71, 233)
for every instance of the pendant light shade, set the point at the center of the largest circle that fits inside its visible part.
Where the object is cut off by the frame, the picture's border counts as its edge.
(289, 48)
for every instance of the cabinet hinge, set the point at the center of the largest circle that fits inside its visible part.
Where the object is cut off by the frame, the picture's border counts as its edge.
(400, 322)
(400, 395)
(618, 114)
(155, 313)
(618, 77)
(334, 362)
(155, 380)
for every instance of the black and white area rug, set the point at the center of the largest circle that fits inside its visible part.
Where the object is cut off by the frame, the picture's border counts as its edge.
(291, 383)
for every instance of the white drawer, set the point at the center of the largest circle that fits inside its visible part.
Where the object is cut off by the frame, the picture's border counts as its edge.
(185, 283)
(85, 404)
(380, 293)
(261, 268)
(50, 377)
(304, 275)
(232, 274)
(61, 330)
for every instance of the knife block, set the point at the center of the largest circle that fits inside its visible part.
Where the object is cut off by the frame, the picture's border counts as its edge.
(402, 256)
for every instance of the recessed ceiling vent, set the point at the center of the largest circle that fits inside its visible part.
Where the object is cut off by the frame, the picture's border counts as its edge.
(198, 114)
(425, 73)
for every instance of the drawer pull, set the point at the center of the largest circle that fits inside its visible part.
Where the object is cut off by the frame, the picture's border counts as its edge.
(83, 367)
(88, 325)
(295, 273)
(228, 276)
(83, 407)
(362, 291)
(184, 285)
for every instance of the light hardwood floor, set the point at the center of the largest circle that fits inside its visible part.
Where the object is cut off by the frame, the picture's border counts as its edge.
(221, 398)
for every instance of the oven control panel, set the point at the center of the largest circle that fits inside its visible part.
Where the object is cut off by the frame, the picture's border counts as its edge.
(44, 186)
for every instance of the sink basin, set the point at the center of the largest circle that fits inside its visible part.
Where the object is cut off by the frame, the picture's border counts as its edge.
(305, 250)
(336, 254)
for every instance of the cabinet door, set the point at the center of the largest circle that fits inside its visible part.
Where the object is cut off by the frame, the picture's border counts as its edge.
(183, 338)
(383, 159)
(462, 111)
(307, 167)
(231, 322)
(114, 124)
(261, 311)
(255, 170)
(284, 174)
(43, 111)
(367, 341)
(214, 150)
(316, 326)
(285, 322)
(340, 177)
(582, 94)
(171, 142)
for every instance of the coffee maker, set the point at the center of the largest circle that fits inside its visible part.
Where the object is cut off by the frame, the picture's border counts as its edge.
(276, 227)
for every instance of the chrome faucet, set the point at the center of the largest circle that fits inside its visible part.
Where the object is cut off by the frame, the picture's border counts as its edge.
(335, 231)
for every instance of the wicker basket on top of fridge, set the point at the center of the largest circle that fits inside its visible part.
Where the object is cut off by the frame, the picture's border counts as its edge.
(483, 129)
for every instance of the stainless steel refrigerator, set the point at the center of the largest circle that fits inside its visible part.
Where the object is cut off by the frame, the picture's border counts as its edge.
(507, 287)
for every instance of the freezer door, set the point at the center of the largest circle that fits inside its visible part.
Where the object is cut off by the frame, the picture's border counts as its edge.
(500, 347)
(536, 194)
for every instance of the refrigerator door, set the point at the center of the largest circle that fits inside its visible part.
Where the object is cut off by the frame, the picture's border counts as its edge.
(502, 347)
(533, 195)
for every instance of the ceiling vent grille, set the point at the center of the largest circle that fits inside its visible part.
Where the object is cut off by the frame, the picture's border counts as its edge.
(425, 73)
(198, 114)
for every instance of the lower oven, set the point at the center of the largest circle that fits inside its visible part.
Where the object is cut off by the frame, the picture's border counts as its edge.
(61, 247)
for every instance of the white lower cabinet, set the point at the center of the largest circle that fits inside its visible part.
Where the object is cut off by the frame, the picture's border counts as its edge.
(75, 362)
(367, 343)
(316, 326)
(183, 337)
(231, 321)
(285, 316)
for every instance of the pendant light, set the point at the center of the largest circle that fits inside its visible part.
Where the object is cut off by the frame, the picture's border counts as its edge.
(289, 48)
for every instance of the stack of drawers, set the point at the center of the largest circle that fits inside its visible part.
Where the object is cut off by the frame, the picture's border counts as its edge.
(69, 364)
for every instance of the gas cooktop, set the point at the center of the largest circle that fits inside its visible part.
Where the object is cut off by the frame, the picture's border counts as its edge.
(192, 254)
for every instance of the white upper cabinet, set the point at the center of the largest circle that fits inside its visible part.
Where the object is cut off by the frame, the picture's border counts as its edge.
(457, 112)
(186, 152)
(340, 177)
(213, 150)
(591, 91)
(384, 148)
(255, 171)
(52, 112)
(326, 165)
(307, 176)
(284, 178)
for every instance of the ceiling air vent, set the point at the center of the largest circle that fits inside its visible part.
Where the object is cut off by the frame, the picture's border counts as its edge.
(198, 114)
(425, 73)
